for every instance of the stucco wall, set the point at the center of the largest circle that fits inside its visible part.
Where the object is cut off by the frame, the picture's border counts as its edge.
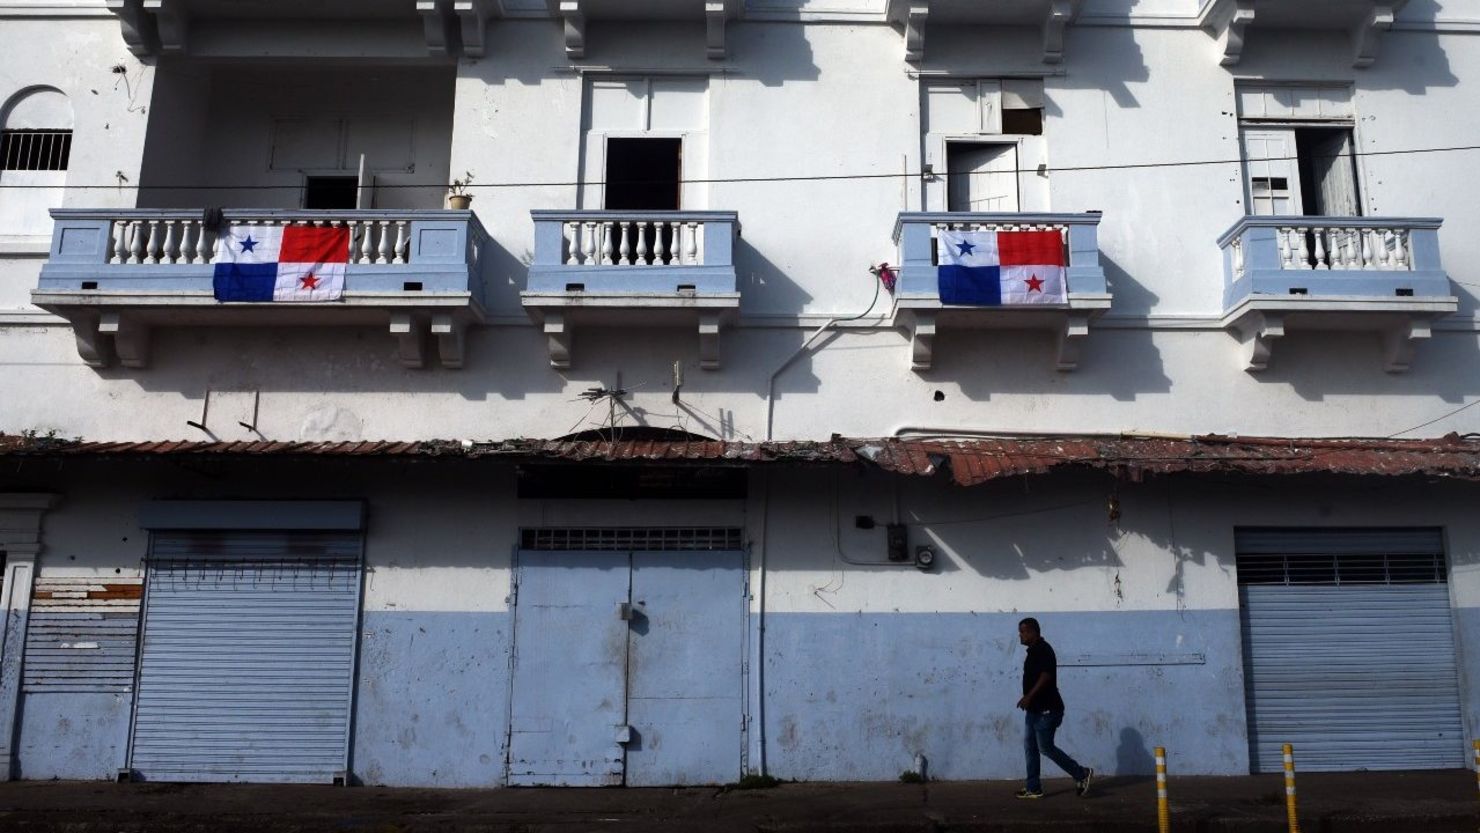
(785, 104)
(858, 666)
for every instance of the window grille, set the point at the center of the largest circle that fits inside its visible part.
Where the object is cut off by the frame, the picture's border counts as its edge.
(1337, 570)
(632, 538)
(35, 150)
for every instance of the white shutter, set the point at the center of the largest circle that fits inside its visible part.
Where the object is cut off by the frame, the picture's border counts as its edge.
(982, 177)
(1272, 174)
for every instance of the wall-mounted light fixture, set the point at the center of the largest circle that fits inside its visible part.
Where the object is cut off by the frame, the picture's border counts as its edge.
(925, 558)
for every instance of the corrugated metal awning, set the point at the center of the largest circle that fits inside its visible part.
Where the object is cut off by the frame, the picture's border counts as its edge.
(966, 461)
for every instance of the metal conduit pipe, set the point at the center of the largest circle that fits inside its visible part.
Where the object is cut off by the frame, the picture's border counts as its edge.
(938, 433)
(826, 325)
(760, 647)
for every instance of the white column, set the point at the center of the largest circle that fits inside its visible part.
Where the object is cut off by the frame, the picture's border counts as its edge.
(20, 540)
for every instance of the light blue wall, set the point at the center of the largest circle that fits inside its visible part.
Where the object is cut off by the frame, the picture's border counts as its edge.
(431, 707)
(1467, 647)
(72, 736)
(854, 697)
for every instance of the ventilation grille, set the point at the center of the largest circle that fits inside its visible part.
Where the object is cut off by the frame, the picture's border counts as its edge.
(632, 538)
(1337, 570)
(35, 150)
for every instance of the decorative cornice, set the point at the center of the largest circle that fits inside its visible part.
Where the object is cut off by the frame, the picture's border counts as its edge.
(1226, 20)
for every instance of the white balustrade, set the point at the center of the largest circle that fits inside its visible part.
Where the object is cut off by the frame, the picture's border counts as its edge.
(1063, 230)
(655, 242)
(178, 240)
(1313, 247)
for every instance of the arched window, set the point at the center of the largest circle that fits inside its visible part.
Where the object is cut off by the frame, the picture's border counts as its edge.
(35, 149)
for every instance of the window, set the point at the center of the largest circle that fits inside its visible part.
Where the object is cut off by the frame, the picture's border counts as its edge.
(644, 137)
(1299, 151)
(643, 174)
(35, 151)
(331, 193)
(983, 145)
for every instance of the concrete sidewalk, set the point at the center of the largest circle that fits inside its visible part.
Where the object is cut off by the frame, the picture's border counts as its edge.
(1433, 802)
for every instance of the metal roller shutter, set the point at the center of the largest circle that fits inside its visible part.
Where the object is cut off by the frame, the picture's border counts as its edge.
(1349, 650)
(247, 664)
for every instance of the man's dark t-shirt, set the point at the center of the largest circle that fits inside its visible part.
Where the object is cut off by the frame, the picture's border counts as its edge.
(1041, 658)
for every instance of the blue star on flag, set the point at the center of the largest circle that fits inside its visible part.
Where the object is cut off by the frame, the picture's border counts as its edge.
(966, 248)
(249, 244)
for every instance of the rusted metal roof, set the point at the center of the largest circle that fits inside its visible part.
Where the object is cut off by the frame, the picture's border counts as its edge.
(966, 461)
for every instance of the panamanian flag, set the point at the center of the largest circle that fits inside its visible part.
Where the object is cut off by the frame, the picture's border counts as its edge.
(281, 263)
(994, 268)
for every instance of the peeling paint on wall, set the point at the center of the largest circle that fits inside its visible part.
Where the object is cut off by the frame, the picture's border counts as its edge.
(82, 635)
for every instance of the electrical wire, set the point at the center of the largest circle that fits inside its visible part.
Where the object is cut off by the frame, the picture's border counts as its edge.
(775, 178)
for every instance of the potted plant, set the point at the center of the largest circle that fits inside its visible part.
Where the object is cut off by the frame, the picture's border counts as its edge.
(457, 192)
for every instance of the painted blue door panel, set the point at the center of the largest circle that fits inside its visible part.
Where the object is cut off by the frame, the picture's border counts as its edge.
(570, 664)
(684, 680)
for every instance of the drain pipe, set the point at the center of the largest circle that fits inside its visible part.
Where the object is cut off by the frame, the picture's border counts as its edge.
(827, 325)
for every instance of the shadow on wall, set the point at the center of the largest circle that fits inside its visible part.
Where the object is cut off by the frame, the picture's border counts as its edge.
(1132, 757)
(764, 285)
(1317, 365)
(990, 50)
(1408, 60)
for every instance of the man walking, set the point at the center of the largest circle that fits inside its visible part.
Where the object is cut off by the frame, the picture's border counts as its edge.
(1043, 709)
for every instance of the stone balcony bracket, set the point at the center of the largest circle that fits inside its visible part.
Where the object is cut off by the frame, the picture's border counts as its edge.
(468, 18)
(162, 27)
(1051, 16)
(920, 313)
(633, 270)
(573, 16)
(116, 275)
(1365, 20)
(1378, 274)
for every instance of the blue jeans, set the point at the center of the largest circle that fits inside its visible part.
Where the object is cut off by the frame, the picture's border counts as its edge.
(1038, 737)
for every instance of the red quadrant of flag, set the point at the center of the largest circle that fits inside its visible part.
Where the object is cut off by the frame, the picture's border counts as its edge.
(311, 244)
(1028, 248)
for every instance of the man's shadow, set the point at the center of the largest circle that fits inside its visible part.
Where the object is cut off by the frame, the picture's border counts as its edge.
(1134, 765)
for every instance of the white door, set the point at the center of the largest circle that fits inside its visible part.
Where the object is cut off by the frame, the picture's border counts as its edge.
(1271, 171)
(1336, 174)
(981, 177)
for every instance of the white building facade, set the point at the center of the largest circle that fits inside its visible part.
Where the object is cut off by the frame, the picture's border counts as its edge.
(663, 461)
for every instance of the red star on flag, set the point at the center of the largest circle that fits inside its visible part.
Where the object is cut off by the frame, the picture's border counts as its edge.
(1035, 284)
(311, 281)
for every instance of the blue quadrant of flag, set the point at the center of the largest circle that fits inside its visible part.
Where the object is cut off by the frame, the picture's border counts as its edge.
(971, 285)
(245, 281)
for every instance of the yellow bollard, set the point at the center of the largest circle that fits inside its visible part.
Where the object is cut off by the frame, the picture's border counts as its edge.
(1163, 812)
(1290, 789)
(1476, 744)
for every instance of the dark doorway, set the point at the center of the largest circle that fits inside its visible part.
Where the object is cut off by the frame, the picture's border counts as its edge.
(331, 193)
(643, 174)
(1328, 172)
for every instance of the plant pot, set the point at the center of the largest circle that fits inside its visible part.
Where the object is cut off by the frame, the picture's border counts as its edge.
(459, 201)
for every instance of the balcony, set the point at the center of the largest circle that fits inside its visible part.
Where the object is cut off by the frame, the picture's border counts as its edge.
(1050, 16)
(1229, 21)
(1333, 273)
(645, 268)
(116, 274)
(917, 304)
(573, 15)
